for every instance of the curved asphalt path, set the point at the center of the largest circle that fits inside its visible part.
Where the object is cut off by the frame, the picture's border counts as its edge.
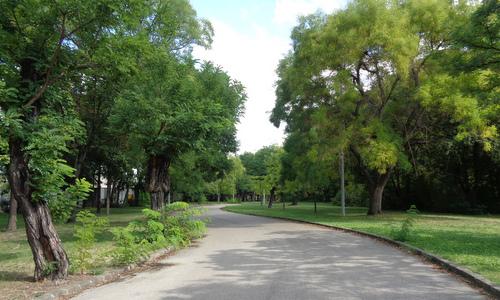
(246, 257)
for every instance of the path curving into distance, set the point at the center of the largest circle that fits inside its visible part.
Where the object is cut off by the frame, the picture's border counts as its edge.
(247, 257)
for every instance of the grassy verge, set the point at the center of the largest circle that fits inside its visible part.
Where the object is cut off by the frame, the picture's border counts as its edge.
(469, 241)
(16, 262)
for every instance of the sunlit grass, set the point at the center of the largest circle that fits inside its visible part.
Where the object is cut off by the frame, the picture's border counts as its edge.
(16, 262)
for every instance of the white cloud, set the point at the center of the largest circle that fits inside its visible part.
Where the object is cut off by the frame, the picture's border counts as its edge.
(251, 56)
(252, 59)
(286, 12)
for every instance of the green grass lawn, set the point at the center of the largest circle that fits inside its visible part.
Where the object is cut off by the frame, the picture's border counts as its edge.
(16, 262)
(469, 241)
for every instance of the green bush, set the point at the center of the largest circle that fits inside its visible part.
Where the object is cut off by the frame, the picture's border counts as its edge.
(413, 210)
(127, 250)
(233, 200)
(182, 225)
(140, 237)
(62, 204)
(144, 199)
(86, 228)
(175, 226)
(404, 233)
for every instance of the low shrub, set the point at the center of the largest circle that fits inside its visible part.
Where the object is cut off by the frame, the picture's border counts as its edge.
(176, 225)
(404, 233)
(86, 228)
(182, 223)
(127, 250)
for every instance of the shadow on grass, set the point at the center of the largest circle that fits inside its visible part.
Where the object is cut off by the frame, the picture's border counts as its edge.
(9, 276)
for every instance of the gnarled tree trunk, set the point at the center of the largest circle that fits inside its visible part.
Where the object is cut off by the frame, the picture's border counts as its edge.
(158, 180)
(48, 254)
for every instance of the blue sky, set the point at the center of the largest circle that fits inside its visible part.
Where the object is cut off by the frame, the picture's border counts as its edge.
(250, 39)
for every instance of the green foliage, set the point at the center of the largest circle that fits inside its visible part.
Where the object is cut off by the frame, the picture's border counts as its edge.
(233, 200)
(127, 250)
(413, 210)
(144, 199)
(404, 233)
(381, 81)
(176, 226)
(182, 225)
(138, 238)
(88, 225)
(62, 203)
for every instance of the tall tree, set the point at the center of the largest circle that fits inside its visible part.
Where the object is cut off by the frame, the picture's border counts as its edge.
(365, 78)
(44, 45)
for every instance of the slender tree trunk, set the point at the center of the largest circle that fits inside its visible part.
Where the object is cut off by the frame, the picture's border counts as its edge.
(136, 196)
(48, 254)
(125, 197)
(376, 194)
(158, 180)
(342, 183)
(99, 189)
(108, 197)
(218, 193)
(12, 225)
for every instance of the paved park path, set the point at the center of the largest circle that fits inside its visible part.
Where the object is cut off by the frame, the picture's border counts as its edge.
(246, 257)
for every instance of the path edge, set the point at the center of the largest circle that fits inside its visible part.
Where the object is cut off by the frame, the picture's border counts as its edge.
(468, 276)
(71, 290)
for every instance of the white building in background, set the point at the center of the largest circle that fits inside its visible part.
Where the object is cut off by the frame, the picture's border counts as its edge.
(124, 195)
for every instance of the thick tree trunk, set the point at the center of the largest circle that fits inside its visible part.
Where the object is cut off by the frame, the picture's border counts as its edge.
(158, 180)
(12, 225)
(376, 193)
(271, 197)
(376, 183)
(137, 193)
(48, 254)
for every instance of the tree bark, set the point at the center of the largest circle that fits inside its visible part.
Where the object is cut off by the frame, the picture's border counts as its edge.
(158, 180)
(376, 193)
(342, 183)
(109, 194)
(376, 183)
(48, 254)
(137, 193)
(271, 197)
(98, 194)
(12, 225)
